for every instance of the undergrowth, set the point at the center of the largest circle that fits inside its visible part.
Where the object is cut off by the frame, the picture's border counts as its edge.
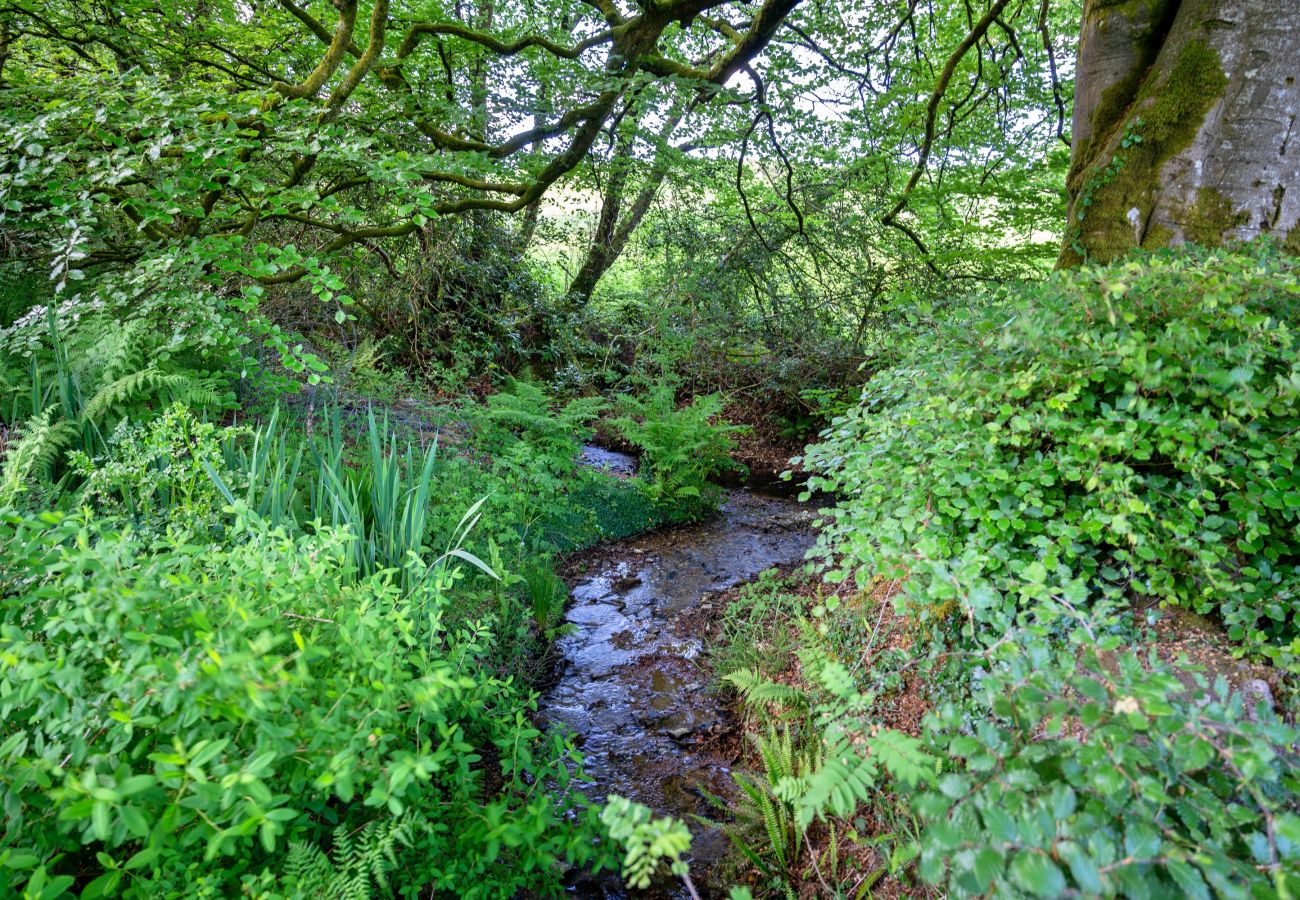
(1029, 471)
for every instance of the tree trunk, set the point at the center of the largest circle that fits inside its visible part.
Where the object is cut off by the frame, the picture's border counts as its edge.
(5, 43)
(613, 228)
(1184, 125)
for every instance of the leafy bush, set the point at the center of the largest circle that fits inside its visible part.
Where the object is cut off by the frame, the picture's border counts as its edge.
(177, 717)
(1119, 431)
(1030, 469)
(683, 447)
(1071, 771)
(157, 472)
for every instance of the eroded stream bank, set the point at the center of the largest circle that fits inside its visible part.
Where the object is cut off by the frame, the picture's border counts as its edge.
(631, 686)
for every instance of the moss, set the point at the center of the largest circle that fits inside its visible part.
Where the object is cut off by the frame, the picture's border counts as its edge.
(1210, 216)
(1166, 115)
(1291, 243)
(1157, 236)
(1142, 17)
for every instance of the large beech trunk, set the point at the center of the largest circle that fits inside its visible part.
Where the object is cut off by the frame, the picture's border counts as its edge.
(1184, 125)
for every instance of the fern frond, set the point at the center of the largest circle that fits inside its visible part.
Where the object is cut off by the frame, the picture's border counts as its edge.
(34, 453)
(121, 391)
(903, 756)
(305, 864)
(151, 383)
(843, 781)
(758, 691)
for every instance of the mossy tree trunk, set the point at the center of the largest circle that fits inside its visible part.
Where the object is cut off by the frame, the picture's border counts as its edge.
(1184, 125)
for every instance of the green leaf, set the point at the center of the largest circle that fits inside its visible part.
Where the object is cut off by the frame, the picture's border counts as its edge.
(1037, 874)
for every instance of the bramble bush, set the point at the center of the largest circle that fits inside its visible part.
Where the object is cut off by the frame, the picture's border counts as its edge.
(178, 714)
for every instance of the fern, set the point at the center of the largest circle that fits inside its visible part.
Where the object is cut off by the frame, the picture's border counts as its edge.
(306, 863)
(359, 868)
(844, 780)
(904, 757)
(176, 387)
(758, 691)
(33, 454)
(525, 410)
(682, 447)
(766, 830)
(852, 746)
(92, 372)
(103, 355)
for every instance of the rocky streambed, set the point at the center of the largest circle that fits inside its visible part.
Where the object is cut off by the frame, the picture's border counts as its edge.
(630, 683)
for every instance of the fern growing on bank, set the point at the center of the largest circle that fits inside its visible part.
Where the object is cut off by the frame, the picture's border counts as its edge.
(765, 830)
(682, 447)
(357, 867)
(119, 396)
(758, 691)
(33, 453)
(524, 411)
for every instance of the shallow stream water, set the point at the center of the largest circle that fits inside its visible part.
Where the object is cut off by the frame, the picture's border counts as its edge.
(631, 686)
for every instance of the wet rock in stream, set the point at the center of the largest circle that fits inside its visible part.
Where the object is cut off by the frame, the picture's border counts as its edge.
(631, 689)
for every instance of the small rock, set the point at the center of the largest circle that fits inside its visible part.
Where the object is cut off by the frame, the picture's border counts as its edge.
(680, 732)
(1253, 693)
(626, 583)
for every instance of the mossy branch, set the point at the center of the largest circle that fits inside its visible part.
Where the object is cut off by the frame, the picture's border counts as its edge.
(330, 62)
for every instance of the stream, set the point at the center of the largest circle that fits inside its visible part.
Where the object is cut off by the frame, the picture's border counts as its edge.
(632, 688)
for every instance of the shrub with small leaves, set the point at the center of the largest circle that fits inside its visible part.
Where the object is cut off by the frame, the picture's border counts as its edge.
(1031, 468)
(1074, 772)
(157, 471)
(648, 842)
(177, 714)
(1128, 430)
